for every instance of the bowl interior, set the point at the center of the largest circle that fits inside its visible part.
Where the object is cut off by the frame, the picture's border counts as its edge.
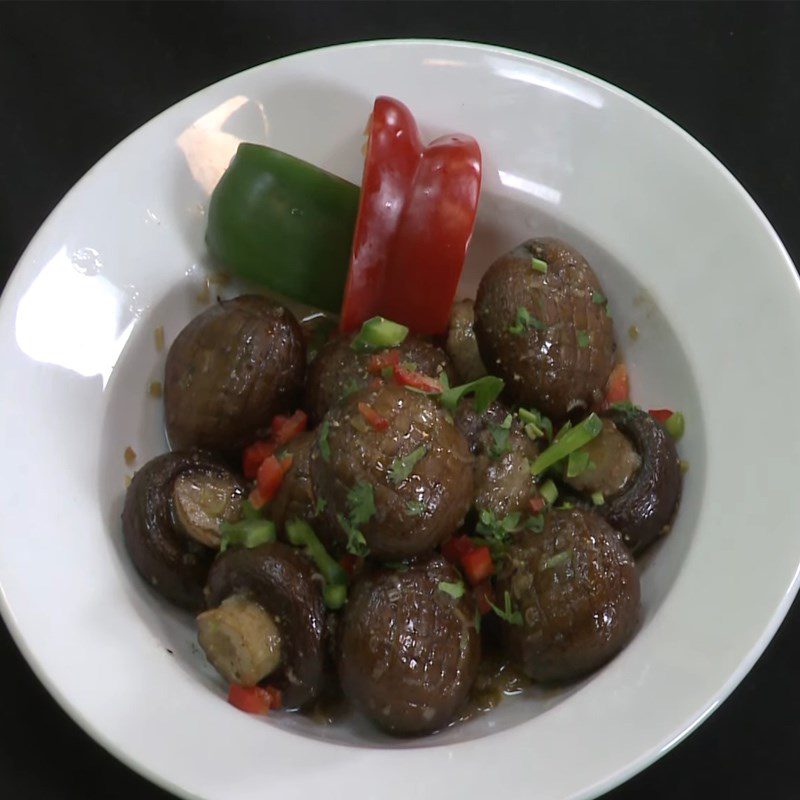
(660, 375)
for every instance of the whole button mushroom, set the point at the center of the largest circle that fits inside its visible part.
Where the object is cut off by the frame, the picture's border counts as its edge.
(340, 369)
(395, 490)
(229, 371)
(171, 521)
(542, 326)
(266, 619)
(409, 650)
(570, 596)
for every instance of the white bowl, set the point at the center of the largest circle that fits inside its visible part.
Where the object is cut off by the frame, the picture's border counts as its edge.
(683, 253)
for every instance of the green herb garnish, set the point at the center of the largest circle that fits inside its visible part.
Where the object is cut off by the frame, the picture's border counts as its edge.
(625, 407)
(598, 498)
(538, 264)
(401, 468)
(334, 595)
(536, 424)
(485, 390)
(324, 446)
(455, 590)
(675, 425)
(577, 462)
(351, 387)
(361, 508)
(501, 435)
(301, 534)
(598, 298)
(557, 560)
(535, 523)
(498, 529)
(583, 339)
(507, 614)
(567, 442)
(414, 508)
(378, 333)
(525, 321)
(246, 533)
(549, 492)
(249, 511)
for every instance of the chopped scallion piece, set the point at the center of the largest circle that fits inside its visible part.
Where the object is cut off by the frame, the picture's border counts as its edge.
(246, 533)
(549, 492)
(324, 447)
(539, 265)
(675, 425)
(577, 462)
(334, 595)
(455, 590)
(598, 498)
(301, 534)
(524, 321)
(558, 559)
(598, 298)
(567, 442)
(378, 333)
(536, 424)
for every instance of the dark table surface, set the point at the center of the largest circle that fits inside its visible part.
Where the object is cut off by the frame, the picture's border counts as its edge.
(75, 79)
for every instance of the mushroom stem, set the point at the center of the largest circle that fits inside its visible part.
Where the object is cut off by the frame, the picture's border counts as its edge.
(241, 640)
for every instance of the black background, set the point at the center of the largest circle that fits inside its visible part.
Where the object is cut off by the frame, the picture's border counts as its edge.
(75, 79)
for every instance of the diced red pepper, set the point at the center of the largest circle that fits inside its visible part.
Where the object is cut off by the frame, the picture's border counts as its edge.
(484, 596)
(416, 380)
(415, 219)
(376, 421)
(284, 429)
(455, 547)
(617, 388)
(256, 500)
(269, 478)
(477, 565)
(660, 414)
(386, 359)
(351, 564)
(254, 699)
(537, 504)
(254, 455)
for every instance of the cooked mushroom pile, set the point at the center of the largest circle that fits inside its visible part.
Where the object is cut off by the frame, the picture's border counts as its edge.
(378, 523)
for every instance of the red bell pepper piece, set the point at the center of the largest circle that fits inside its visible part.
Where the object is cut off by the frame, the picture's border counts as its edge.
(477, 565)
(387, 359)
(376, 421)
(254, 455)
(270, 477)
(617, 388)
(660, 414)
(415, 219)
(416, 380)
(537, 504)
(455, 547)
(351, 564)
(284, 429)
(254, 699)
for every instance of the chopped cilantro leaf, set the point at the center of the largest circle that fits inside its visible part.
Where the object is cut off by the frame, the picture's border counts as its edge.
(507, 614)
(414, 508)
(558, 559)
(583, 339)
(401, 468)
(598, 298)
(485, 390)
(324, 446)
(524, 321)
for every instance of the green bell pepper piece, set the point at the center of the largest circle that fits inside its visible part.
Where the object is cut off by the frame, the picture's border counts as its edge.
(283, 223)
